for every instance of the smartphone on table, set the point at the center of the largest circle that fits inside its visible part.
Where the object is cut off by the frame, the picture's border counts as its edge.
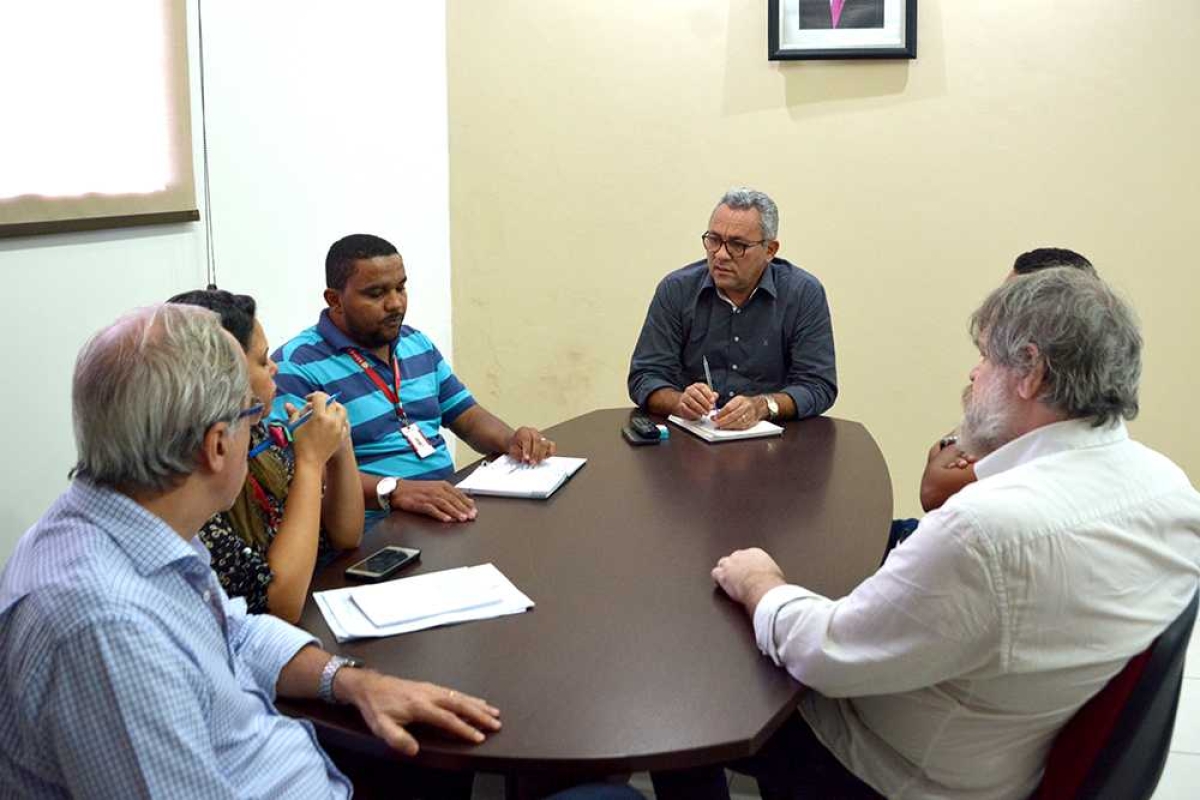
(383, 564)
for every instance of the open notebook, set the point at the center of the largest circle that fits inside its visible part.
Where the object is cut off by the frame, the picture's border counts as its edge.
(506, 477)
(705, 430)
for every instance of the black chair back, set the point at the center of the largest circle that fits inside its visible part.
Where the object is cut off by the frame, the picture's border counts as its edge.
(1131, 762)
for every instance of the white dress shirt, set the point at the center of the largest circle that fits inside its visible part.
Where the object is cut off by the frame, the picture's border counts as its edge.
(949, 672)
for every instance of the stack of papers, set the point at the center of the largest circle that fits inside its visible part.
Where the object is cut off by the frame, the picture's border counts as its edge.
(507, 477)
(423, 601)
(705, 429)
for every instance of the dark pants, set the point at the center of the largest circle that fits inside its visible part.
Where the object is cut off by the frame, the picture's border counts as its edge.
(793, 764)
(600, 791)
(901, 529)
(378, 778)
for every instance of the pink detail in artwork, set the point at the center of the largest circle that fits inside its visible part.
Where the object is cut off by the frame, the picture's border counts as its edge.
(835, 10)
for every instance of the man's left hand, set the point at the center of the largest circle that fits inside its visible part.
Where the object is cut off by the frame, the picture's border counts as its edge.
(388, 704)
(747, 575)
(528, 446)
(741, 413)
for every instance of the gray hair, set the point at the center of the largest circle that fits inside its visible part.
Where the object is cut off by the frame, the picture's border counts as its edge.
(742, 198)
(1086, 337)
(147, 389)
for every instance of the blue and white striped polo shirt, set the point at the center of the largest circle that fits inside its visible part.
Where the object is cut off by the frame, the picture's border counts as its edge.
(318, 359)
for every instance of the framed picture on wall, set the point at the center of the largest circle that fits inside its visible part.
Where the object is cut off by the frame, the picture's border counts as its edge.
(803, 29)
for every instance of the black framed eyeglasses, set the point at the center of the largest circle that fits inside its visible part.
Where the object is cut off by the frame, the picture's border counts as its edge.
(735, 247)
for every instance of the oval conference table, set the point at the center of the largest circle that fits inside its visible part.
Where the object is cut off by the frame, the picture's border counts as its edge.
(631, 659)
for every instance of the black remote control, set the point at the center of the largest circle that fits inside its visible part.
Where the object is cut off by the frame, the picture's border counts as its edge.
(643, 426)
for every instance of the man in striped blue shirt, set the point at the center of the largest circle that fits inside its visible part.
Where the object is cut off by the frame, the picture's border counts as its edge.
(125, 671)
(397, 389)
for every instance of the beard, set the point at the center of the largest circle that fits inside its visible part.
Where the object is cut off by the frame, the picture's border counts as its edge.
(381, 334)
(987, 420)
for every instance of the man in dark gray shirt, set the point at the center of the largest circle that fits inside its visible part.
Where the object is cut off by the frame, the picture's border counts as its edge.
(761, 323)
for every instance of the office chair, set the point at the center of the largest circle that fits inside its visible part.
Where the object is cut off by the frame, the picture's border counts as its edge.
(1116, 745)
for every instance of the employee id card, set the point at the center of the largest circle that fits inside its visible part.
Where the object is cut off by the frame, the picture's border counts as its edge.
(420, 445)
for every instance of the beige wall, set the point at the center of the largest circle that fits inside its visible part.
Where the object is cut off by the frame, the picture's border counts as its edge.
(588, 142)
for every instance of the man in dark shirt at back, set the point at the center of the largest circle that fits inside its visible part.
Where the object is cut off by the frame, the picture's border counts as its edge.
(761, 323)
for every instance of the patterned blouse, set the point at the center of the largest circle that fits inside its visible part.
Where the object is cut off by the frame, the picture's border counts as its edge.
(242, 566)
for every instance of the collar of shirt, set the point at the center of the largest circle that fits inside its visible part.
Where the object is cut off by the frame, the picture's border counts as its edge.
(1072, 434)
(338, 340)
(145, 540)
(732, 304)
(148, 542)
(766, 282)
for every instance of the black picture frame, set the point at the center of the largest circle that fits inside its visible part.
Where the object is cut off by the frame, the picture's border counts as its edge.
(780, 49)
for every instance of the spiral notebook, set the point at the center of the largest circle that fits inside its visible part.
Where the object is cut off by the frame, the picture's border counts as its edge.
(507, 477)
(705, 430)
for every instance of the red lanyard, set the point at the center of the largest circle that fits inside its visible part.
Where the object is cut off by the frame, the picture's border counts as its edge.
(272, 515)
(388, 392)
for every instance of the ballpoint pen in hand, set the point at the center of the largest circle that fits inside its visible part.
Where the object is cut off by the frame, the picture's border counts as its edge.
(708, 379)
(287, 429)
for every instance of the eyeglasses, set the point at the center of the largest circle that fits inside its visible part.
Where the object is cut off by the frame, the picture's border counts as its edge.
(252, 411)
(735, 247)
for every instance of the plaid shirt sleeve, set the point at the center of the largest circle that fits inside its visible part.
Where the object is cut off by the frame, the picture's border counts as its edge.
(122, 680)
(265, 643)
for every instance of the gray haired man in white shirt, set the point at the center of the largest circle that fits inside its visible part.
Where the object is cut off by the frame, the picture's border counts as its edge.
(949, 672)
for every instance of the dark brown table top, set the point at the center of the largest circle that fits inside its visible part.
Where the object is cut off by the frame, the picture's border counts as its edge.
(631, 659)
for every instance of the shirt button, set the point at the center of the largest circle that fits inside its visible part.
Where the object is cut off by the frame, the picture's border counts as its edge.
(736, 339)
(207, 595)
(735, 367)
(731, 392)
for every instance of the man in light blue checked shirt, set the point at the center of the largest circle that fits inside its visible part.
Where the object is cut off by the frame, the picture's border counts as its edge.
(125, 671)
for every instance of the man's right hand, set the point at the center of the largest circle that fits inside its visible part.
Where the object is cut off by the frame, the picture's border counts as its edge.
(747, 575)
(696, 401)
(436, 499)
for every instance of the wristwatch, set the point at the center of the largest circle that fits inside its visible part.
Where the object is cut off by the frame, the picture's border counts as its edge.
(383, 492)
(772, 406)
(335, 663)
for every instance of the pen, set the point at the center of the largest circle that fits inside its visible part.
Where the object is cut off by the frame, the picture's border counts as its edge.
(290, 427)
(708, 375)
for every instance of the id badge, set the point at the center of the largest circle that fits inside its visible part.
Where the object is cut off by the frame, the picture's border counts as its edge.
(420, 445)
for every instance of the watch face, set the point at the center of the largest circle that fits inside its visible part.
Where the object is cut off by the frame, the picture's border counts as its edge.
(383, 491)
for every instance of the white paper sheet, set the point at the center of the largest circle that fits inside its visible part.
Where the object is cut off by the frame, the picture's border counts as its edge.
(409, 599)
(346, 619)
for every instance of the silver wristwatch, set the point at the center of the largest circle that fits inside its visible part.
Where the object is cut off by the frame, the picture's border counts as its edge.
(335, 663)
(772, 407)
(383, 493)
